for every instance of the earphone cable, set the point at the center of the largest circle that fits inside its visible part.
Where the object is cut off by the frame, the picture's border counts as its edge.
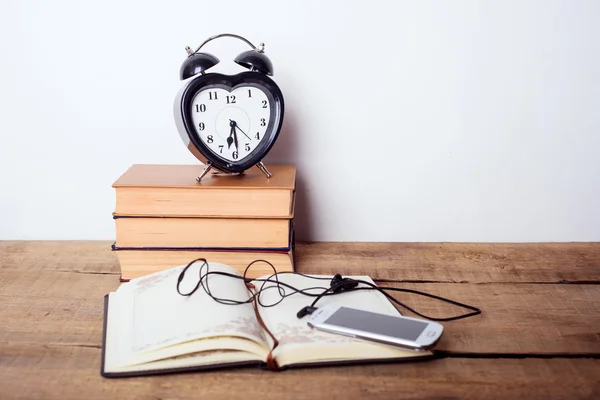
(337, 285)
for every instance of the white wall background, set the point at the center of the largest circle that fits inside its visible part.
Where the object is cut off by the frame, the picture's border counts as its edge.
(407, 120)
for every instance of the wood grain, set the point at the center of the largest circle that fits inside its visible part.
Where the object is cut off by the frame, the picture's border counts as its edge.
(90, 257)
(51, 325)
(57, 307)
(438, 262)
(516, 319)
(456, 262)
(71, 372)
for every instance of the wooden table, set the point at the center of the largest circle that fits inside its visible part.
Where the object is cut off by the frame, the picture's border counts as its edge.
(538, 336)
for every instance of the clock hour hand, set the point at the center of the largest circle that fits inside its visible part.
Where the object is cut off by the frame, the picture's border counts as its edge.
(230, 138)
(237, 126)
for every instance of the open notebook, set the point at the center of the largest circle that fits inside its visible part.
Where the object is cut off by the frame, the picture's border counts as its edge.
(149, 328)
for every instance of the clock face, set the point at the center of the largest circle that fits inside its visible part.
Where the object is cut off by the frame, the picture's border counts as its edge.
(231, 123)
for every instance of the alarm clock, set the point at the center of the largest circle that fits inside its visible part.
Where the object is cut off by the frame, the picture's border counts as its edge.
(228, 122)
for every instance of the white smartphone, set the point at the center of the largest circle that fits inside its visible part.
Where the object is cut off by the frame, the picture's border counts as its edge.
(410, 333)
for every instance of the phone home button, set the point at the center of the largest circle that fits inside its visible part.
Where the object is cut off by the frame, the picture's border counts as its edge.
(431, 333)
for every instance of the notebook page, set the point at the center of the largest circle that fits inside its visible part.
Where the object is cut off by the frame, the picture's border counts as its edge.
(161, 317)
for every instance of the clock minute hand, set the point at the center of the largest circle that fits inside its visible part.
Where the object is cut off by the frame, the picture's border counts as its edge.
(237, 126)
(235, 140)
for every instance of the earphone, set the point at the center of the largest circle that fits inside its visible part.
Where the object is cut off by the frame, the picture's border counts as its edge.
(337, 285)
(199, 62)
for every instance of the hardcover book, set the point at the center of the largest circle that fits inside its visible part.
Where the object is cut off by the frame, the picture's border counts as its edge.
(135, 263)
(172, 191)
(245, 233)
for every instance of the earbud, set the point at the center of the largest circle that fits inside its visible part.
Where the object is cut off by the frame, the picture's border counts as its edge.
(305, 311)
(339, 284)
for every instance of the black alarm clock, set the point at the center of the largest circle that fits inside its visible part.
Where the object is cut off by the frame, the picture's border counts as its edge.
(229, 122)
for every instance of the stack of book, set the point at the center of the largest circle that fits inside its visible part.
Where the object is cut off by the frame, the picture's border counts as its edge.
(164, 218)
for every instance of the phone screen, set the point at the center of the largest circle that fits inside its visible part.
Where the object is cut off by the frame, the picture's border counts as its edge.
(376, 323)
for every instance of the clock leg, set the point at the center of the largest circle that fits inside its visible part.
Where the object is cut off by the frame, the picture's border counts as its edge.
(264, 169)
(207, 168)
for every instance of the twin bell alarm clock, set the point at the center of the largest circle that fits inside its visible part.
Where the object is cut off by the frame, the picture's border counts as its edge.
(228, 122)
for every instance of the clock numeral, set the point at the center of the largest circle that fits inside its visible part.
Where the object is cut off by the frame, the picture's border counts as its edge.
(247, 148)
(257, 136)
(201, 126)
(221, 149)
(200, 107)
(230, 99)
(264, 104)
(209, 139)
(249, 93)
(262, 122)
(211, 97)
(235, 155)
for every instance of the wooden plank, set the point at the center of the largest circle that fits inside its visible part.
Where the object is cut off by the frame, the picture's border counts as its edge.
(455, 262)
(70, 372)
(53, 307)
(67, 256)
(57, 307)
(439, 262)
(516, 318)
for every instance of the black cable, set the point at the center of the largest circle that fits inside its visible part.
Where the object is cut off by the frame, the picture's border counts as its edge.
(203, 282)
(337, 285)
(382, 290)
